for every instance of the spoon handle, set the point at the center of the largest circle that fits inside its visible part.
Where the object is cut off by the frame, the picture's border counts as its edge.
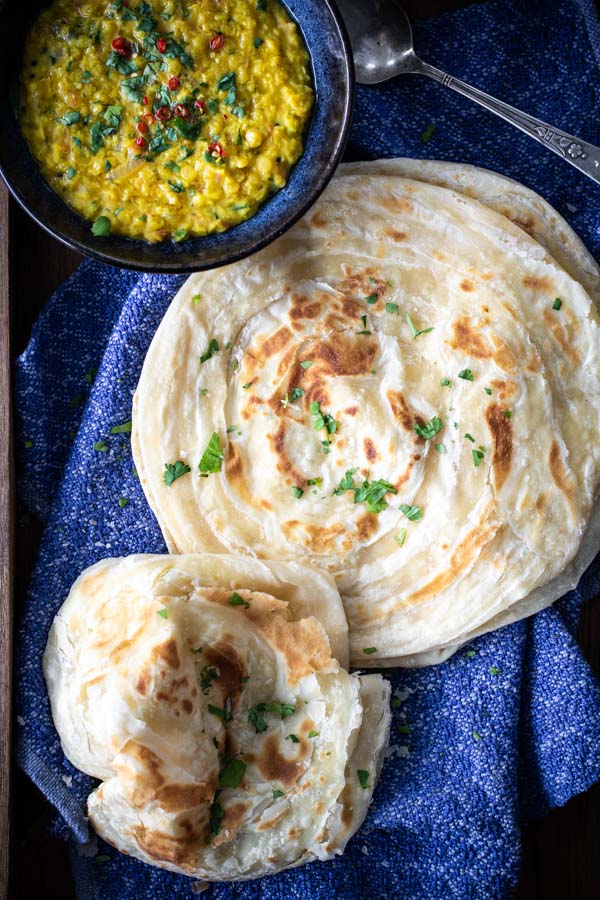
(581, 154)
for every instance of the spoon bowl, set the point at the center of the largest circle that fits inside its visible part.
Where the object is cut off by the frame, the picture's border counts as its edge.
(382, 45)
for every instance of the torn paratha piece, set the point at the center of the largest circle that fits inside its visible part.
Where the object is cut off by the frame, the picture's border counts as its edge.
(203, 693)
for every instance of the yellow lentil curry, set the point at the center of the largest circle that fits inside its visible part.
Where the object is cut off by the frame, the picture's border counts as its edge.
(168, 119)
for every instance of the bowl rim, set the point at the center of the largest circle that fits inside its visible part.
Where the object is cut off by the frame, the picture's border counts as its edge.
(171, 265)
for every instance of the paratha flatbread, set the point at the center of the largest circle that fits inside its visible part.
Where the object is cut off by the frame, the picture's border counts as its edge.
(203, 693)
(405, 393)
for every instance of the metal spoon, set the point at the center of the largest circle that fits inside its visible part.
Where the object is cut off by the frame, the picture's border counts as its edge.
(382, 45)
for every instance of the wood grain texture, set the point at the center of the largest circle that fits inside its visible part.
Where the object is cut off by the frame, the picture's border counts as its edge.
(6, 547)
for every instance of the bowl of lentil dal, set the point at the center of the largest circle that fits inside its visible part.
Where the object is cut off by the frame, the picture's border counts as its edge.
(173, 135)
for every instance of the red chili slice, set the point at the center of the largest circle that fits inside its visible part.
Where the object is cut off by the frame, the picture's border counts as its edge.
(216, 149)
(148, 118)
(145, 101)
(141, 142)
(217, 41)
(142, 127)
(200, 104)
(163, 113)
(182, 112)
(174, 83)
(161, 45)
(121, 46)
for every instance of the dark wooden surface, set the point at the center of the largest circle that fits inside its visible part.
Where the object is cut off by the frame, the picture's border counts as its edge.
(561, 853)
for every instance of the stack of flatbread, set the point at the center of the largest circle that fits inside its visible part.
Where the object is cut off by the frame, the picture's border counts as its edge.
(389, 418)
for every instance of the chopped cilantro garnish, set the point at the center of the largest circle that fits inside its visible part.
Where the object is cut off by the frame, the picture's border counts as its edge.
(370, 492)
(179, 235)
(477, 457)
(71, 172)
(236, 600)
(123, 501)
(121, 64)
(70, 118)
(413, 329)
(175, 470)
(277, 794)
(392, 308)
(257, 42)
(441, 448)
(412, 513)
(216, 813)
(296, 393)
(232, 772)
(507, 414)
(256, 718)
(430, 430)
(207, 675)
(125, 428)
(100, 446)
(494, 670)
(557, 304)
(476, 736)
(488, 391)
(372, 298)
(101, 227)
(213, 347)
(322, 420)
(369, 650)
(223, 714)
(363, 778)
(297, 492)
(246, 386)
(176, 186)
(293, 738)
(212, 456)
(445, 382)
(313, 734)
(470, 437)
(163, 613)
(466, 375)
(213, 107)
(428, 133)
(400, 537)
(306, 364)
(469, 654)
(403, 728)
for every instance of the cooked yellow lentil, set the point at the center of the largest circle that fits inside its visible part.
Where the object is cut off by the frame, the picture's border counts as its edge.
(169, 119)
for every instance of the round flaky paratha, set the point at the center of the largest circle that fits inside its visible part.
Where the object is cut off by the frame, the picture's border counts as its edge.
(203, 693)
(403, 390)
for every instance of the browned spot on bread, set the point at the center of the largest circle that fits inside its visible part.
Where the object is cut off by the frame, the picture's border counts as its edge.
(347, 814)
(344, 354)
(165, 848)
(506, 389)
(400, 410)
(370, 450)
(167, 653)
(274, 766)
(302, 307)
(559, 473)
(365, 283)
(467, 285)
(180, 797)
(318, 219)
(318, 538)
(537, 283)
(464, 555)
(366, 525)
(230, 665)
(139, 768)
(230, 823)
(235, 474)
(486, 276)
(351, 410)
(503, 355)
(397, 204)
(303, 645)
(541, 502)
(467, 339)
(560, 334)
(143, 682)
(397, 236)
(271, 823)
(284, 463)
(501, 431)
(275, 343)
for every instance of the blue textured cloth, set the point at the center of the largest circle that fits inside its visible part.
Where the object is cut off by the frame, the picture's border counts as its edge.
(495, 736)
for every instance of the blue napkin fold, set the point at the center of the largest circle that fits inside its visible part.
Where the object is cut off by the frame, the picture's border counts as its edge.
(497, 735)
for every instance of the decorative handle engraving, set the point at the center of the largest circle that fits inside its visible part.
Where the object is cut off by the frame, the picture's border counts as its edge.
(581, 154)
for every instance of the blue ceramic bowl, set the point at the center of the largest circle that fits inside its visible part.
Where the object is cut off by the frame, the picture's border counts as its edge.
(333, 77)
